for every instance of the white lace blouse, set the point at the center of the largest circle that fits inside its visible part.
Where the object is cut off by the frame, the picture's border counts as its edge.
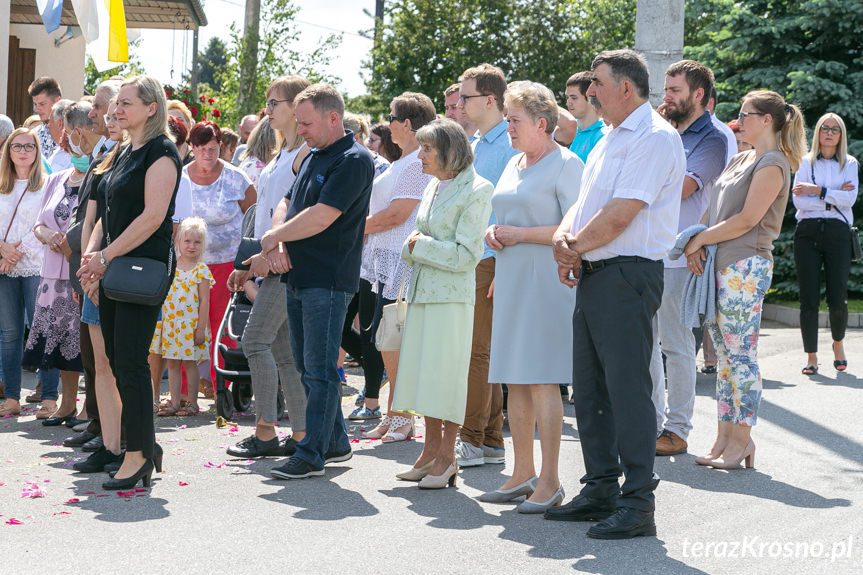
(21, 227)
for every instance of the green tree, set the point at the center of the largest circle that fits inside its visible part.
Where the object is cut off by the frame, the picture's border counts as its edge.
(425, 45)
(807, 50)
(211, 62)
(277, 56)
(93, 77)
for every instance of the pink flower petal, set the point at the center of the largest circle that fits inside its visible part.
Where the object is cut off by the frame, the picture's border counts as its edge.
(90, 493)
(14, 521)
(103, 495)
(73, 500)
(141, 489)
(62, 513)
(182, 483)
(182, 426)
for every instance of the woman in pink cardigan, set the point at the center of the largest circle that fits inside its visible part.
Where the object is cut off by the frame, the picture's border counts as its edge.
(54, 342)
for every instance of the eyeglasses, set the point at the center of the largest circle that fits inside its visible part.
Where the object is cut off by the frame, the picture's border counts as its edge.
(396, 119)
(110, 118)
(831, 130)
(463, 98)
(272, 103)
(743, 115)
(22, 147)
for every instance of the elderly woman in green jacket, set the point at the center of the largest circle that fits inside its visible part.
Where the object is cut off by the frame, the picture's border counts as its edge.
(443, 252)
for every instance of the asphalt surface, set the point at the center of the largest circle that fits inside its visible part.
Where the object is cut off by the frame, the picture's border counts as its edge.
(797, 512)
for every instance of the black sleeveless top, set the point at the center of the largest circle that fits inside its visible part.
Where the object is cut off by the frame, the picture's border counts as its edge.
(124, 188)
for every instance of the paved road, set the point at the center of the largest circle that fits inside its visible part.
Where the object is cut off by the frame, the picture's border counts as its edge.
(204, 516)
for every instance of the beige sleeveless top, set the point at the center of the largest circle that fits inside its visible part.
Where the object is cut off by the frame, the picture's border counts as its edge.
(728, 198)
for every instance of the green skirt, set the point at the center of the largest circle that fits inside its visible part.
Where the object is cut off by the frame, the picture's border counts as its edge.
(434, 361)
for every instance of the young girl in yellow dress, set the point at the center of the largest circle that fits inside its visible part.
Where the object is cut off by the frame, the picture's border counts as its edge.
(182, 336)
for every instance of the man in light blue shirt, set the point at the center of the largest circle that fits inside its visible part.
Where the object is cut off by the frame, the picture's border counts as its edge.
(481, 101)
(590, 125)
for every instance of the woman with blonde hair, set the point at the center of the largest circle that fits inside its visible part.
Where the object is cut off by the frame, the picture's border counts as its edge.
(266, 340)
(136, 204)
(22, 180)
(825, 189)
(263, 145)
(744, 218)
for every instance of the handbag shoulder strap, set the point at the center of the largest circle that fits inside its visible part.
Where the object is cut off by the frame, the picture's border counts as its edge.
(402, 286)
(841, 215)
(14, 213)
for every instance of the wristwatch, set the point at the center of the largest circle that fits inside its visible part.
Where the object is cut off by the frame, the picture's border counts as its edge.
(102, 260)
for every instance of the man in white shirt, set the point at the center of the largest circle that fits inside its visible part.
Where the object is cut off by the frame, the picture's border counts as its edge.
(611, 243)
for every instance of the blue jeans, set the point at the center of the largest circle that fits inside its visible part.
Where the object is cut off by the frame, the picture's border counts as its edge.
(315, 320)
(17, 302)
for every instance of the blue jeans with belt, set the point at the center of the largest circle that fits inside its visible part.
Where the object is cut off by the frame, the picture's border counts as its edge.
(315, 320)
(17, 302)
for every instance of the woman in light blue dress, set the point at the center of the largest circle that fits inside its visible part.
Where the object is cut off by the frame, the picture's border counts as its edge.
(531, 338)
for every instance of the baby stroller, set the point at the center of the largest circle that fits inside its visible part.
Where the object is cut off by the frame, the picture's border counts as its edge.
(234, 368)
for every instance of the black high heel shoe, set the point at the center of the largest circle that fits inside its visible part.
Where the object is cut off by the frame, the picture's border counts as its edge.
(158, 454)
(144, 474)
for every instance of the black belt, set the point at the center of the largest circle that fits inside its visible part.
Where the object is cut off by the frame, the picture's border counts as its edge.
(599, 264)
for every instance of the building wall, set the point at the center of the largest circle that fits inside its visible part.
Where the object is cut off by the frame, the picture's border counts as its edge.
(64, 63)
(5, 16)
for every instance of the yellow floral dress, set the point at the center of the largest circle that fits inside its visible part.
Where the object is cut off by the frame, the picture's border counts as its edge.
(175, 332)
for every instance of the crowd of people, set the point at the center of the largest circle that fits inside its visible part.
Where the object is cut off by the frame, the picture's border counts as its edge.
(441, 252)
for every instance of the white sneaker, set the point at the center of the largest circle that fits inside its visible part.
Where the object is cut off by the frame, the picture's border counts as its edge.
(493, 455)
(468, 455)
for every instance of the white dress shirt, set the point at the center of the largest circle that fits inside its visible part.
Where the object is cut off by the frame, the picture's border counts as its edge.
(640, 159)
(827, 174)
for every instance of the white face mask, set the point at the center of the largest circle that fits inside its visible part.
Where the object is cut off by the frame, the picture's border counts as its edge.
(76, 148)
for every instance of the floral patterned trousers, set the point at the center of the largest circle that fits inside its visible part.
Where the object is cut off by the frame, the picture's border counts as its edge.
(740, 294)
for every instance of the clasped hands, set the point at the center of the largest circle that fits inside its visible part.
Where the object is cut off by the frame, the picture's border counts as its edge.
(273, 258)
(90, 274)
(498, 237)
(567, 257)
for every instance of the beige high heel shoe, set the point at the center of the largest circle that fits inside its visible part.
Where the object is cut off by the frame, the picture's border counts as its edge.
(447, 479)
(416, 473)
(748, 456)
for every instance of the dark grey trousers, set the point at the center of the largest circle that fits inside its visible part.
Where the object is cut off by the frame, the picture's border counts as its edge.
(612, 342)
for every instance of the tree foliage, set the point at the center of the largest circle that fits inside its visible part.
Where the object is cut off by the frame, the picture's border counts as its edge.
(807, 50)
(211, 62)
(277, 56)
(426, 44)
(93, 77)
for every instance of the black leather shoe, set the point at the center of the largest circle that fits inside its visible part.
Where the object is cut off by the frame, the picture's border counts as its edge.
(582, 508)
(55, 421)
(75, 421)
(94, 444)
(252, 447)
(78, 439)
(626, 523)
(97, 461)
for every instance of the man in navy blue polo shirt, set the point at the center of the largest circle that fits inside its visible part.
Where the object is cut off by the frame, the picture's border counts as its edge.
(318, 251)
(687, 89)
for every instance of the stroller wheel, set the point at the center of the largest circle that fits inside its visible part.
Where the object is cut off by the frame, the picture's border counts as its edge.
(242, 395)
(224, 399)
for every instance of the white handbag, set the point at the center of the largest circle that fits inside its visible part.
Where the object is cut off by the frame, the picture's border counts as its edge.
(392, 324)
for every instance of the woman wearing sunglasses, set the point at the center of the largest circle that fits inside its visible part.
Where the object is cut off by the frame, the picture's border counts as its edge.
(825, 188)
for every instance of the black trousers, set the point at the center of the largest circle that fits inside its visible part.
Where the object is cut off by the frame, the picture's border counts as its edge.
(373, 363)
(350, 337)
(612, 344)
(822, 242)
(128, 331)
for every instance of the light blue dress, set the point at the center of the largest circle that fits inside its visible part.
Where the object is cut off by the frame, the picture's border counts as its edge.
(531, 333)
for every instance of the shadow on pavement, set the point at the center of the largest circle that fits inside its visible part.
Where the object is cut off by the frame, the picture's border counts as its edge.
(319, 498)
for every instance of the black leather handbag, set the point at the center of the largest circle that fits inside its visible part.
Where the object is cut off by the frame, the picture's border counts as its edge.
(138, 280)
(856, 253)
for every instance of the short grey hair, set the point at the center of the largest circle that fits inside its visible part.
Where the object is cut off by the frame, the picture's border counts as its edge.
(59, 109)
(536, 100)
(77, 115)
(324, 98)
(626, 64)
(6, 127)
(112, 87)
(448, 139)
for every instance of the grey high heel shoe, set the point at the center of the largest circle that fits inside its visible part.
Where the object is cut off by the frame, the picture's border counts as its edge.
(556, 499)
(505, 495)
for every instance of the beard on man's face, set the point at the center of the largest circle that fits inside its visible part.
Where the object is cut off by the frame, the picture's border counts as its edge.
(678, 112)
